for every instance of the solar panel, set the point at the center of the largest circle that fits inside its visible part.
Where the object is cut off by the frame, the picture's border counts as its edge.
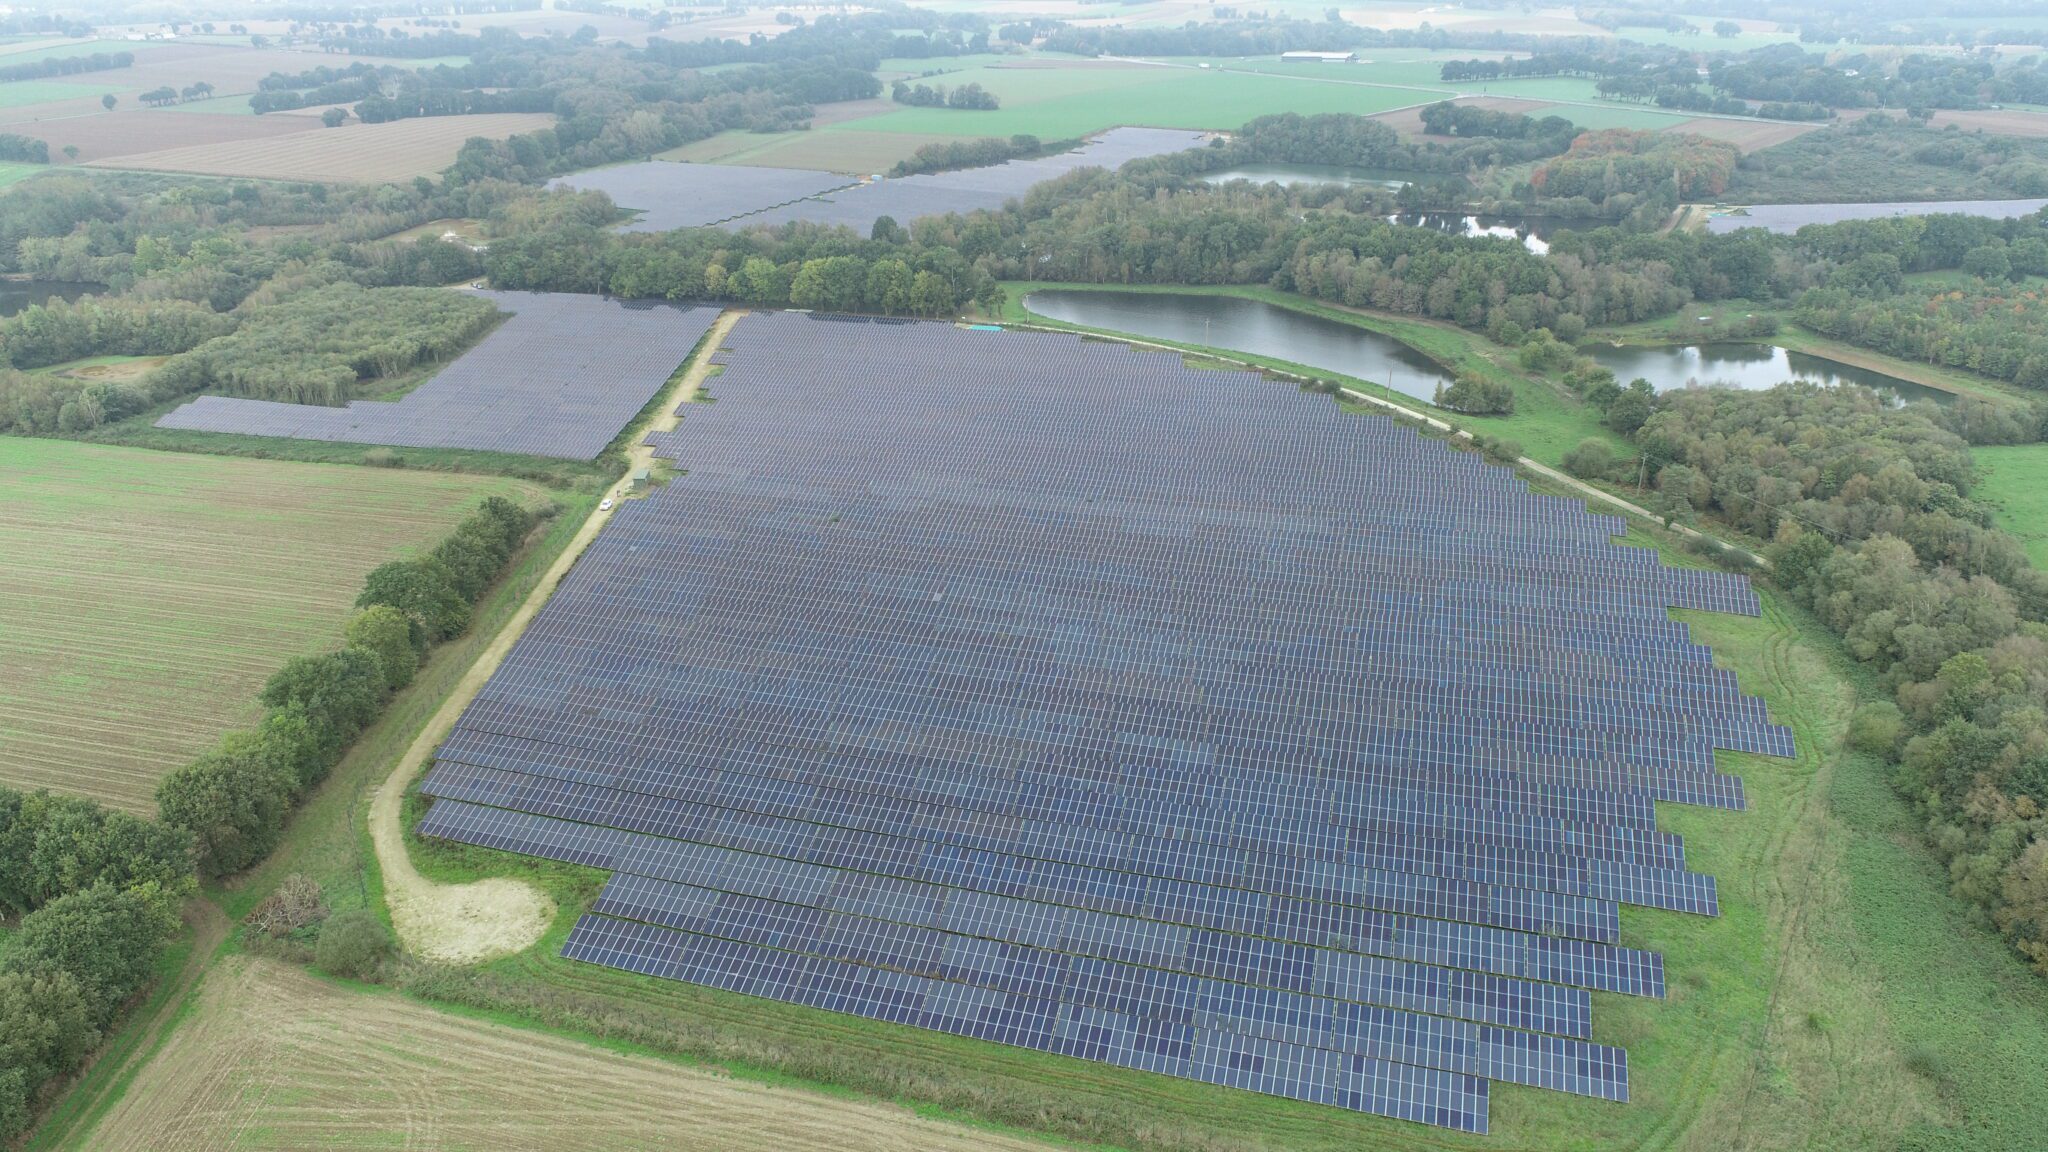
(561, 378)
(671, 195)
(1053, 693)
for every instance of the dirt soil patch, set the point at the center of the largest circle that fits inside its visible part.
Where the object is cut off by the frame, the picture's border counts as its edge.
(1998, 122)
(1748, 135)
(352, 154)
(109, 135)
(272, 1057)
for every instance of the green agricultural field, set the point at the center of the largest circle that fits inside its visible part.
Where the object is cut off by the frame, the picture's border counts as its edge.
(16, 173)
(145, 596)
(1055, 103)
(21, 93)
(2014, 479)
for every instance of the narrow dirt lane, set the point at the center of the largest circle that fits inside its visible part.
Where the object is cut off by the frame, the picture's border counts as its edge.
(469, 923)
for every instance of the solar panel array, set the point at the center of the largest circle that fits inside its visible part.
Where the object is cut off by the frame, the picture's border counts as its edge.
(669, 195)
(1053, 693)
(563, 377)
(731, 196)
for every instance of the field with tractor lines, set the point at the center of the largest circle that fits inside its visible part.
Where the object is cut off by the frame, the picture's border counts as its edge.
(145, 596)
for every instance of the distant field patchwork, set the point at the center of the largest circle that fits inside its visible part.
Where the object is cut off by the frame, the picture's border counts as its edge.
(145, 596)
(355, 154)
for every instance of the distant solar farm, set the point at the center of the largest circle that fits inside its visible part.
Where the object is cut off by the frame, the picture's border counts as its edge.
(671, 195)
(1057, 694)
(562, 378)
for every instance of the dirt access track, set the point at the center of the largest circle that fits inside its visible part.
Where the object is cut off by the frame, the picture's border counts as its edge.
(471, 923)
(273, 1057)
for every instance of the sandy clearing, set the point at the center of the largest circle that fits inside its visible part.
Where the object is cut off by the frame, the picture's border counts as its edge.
(271, 1057)
(497, 916)
(353, 154)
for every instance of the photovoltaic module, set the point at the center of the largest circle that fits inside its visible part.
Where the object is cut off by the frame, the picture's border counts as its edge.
(562, 378)
(1053, 693)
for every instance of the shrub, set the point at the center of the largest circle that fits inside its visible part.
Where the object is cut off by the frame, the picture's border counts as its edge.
(1477, 396)
(1876, 727)
(352, 944)
(1591, 460)
(383, 631)
(297, 902)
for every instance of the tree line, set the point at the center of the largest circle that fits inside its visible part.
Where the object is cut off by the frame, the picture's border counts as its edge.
(969, 96)
(66, 66)
(947, 155)
(98, 893)
(1871, 527)
(234, 802)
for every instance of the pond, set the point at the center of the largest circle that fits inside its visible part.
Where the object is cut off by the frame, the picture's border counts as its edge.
(1250, 326)
(1788, 218)
(1534, 232)
(1750, 366)
(17, 295)
(1290, 174)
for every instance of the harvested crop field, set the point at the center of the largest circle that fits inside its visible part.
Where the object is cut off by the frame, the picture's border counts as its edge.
(1997, 122)
(354, 154)
(273, 1058)
(130, 132)
(1748, 135)
(145, 596)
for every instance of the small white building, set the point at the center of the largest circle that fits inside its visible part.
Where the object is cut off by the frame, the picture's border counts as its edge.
(1319, 57)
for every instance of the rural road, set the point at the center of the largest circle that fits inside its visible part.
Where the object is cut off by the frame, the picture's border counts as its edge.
(470, 923)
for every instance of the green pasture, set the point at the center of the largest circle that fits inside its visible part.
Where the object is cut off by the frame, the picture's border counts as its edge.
(22, 93)
(2014, 480)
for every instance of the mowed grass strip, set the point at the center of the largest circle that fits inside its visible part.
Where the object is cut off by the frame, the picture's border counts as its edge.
(271, 1057)
(146, 596)
(353, 154)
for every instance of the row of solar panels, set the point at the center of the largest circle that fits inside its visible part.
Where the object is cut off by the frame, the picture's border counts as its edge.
(561, 378)
(1056, 694)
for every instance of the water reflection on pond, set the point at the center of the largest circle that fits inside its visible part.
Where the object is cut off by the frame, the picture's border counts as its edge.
(17, 295)
(1749, 366)
(1291, 174)
(1533, 232)
(1250, 326)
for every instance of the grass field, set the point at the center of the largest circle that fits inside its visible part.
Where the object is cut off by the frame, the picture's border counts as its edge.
(21, 93)
(2014, 479)
(1054, 103)
(16, 173)
(271, 1057)
(353, 154)
(144, 597)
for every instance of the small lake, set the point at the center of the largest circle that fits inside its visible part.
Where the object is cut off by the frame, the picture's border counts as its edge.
(1534, 233)
(1251, 326)
(1789, 218)
(17, 295)
(1748, 366)
(1290, 174)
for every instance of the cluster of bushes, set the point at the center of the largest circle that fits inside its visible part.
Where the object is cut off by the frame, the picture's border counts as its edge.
(1476, 395)
(1868, 509)
(1659, 167)
(946, 155)
(317, 346)
(23, 149)
(1990, 328)
(1447, 119)
(98, 893)
(234, 801)
(970, 96)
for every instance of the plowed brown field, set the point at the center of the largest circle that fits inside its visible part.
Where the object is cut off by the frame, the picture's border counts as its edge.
(354, 154)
